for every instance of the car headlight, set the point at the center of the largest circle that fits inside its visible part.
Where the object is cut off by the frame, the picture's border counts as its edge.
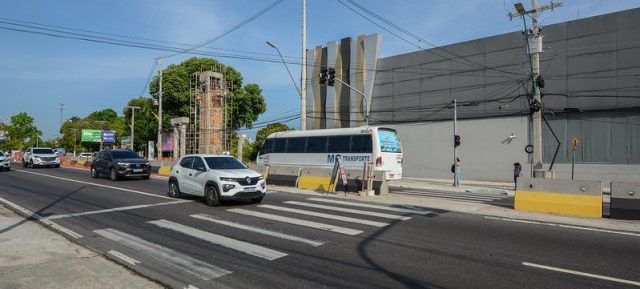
(227, 179)
(124, 164)
(227, 187)
(260, 178)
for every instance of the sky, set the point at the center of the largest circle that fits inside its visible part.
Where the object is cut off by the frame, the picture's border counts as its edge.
(38, 72)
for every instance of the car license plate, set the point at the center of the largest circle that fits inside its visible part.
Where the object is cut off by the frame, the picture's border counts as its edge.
(137, 170)
(250, 189)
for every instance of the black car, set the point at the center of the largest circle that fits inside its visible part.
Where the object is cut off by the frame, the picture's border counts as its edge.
(119, 164)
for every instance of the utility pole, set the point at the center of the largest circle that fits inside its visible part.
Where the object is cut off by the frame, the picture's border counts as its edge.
(133, 117)
(303, 78)
(61, 109)
(534, 38)
(159, 141)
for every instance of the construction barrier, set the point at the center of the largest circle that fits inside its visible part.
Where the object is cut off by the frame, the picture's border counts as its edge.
(319, 179)
(625, 201)
(566, 197)
(164, 171)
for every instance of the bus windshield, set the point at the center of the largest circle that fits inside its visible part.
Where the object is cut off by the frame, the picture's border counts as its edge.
(389, 141)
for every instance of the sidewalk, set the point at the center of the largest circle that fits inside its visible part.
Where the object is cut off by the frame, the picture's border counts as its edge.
(31, 256)
(446, 186)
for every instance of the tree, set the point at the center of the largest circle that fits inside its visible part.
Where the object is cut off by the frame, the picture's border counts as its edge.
(263, 133)
(21, 128)
(247, 102)
(108, 115)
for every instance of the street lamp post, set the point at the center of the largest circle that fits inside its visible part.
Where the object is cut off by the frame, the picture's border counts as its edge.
(133, 117)
(303, 101)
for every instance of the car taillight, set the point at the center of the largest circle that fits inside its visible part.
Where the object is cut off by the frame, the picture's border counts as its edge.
(378, 161)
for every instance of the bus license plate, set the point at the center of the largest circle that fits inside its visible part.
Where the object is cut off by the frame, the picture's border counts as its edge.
(250, 189)
(137, 170)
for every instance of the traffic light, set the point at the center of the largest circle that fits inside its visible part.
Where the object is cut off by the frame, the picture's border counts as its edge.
(332, 76)
(323, 76)
(456, 140)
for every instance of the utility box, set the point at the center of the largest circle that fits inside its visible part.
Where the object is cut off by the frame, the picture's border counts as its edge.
(625, 200)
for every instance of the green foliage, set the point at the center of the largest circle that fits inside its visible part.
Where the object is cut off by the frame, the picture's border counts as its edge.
(146, 121)
(21, 132)
(108, 115)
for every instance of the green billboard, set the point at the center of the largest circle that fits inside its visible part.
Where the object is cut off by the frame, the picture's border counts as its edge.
(91, 135)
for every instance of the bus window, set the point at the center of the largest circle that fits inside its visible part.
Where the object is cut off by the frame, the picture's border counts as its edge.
(296, 144)
(280, 145)
(361, 144)
(317, 144)
(389, 141)
(339, 144)
(267, 147)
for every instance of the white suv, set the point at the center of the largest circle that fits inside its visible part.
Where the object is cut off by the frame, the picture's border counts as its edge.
(5, 161)
(40, 157)
(216, 177)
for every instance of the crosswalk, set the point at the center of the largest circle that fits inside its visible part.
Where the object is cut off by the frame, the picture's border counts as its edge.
(308, 214)
(455, 196)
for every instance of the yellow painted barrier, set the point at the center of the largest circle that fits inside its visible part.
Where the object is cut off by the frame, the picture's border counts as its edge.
(164, 171)
(314, 183)
(559, 203)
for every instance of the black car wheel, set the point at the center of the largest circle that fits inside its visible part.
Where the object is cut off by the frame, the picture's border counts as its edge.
(174, 190)
(31, 164)
(146, 177)
(211, 196)
(94, 172)
(113, 175)
(24, 163)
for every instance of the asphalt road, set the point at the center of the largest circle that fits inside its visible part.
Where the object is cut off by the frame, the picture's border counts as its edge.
(184, 243)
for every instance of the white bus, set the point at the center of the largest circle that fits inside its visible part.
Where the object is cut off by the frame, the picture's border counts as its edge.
(319, 148)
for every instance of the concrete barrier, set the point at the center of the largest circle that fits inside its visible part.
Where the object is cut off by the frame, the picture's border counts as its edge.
(283, 176)
(164, 171)
(625, 201)
(566, 197)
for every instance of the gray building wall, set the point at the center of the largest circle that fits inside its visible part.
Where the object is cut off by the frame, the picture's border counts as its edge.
(591, 67)
(487, 151)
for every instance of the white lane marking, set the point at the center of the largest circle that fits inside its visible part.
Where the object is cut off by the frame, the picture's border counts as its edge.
(98, 185)
(41, 219)
(123, 257)
(257, 230)
(191, 287)
(395, 209)
(163, 254)
(240, 246)
(353, 211)
(299, 222)
(326, 216)
(447, 195)
(564, 226)
(596, 276)
(116, 209)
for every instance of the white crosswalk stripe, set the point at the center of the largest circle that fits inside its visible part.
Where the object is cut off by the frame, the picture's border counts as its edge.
(168, 256)
(240, 246)
(299, 222)
(386, 208)
(258, 230)
(353, 211)
(326, 216)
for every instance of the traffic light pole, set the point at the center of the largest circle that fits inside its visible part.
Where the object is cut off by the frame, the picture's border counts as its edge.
(455, 147)
(366, 103)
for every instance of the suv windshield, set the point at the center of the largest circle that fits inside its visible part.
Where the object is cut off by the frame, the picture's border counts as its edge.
(224, 163)
(43, 151)
(124, 155)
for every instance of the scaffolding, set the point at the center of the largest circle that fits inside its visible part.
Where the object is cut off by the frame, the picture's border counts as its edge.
(210, 113)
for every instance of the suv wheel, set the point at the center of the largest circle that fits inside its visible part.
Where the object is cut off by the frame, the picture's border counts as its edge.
(31, 164)
(24, 163)
(256, 200)
(174, 190)
(113, 175)
(211, 196)
(94, 172)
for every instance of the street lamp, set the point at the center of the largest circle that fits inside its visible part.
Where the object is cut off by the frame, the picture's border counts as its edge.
(133, 117)
(303, 101)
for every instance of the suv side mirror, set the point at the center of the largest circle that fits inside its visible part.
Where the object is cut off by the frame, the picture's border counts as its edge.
(201, 169)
